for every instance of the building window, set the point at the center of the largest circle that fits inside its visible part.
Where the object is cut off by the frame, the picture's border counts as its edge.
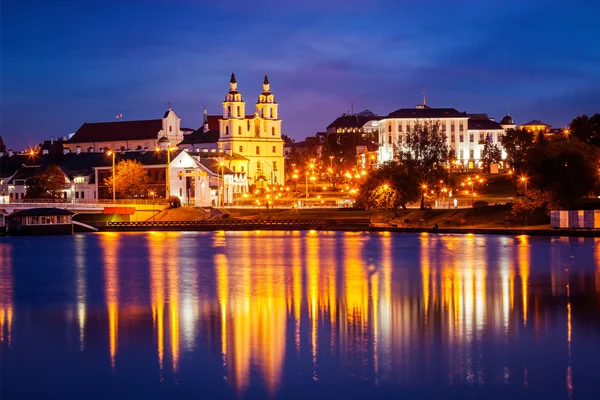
(471, 138)
(481, 137)
(257, 150)
(399, 128)
(274, 165)
(234, 168)
(490, 138)
(462, 154)
(243, 169)
(389, 139)
(258, 165)
(170, 128)
(451, 127)
(399, 138)
(389, 128)
(155, 175)
(82, 195)
(262, 112)
(241, 148)
(461, 138)
(239, 130)
(76, 195)
(248, 125)
(452, 138)
(229, 111)
(273, 131)
(271, 113)
(444, 128)
(238, 112)
(274, 149)
(226, 130)
(471, 154)
(461, 127)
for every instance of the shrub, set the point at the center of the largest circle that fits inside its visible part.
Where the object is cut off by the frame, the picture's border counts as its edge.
(174, 202)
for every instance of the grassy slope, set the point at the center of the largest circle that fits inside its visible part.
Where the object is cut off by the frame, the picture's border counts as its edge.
(180, 214)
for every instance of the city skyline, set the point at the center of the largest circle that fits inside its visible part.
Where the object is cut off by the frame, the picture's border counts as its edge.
(67, 67)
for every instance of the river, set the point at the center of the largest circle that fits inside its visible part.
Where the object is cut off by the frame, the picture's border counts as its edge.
(299, 315)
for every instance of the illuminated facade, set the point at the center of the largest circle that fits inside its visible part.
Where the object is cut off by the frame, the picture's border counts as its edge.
(257, 138)
(465, 133)
(536, 126)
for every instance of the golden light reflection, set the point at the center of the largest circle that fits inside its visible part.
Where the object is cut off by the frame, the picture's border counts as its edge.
(173, 293)
(6, 294)
(523, 262)
(157, 292)
(312, 254)
(253, 313)
(81, 286)
(110, 246)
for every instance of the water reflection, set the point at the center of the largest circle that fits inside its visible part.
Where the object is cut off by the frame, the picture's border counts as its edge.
(276, 310)
(6, 294)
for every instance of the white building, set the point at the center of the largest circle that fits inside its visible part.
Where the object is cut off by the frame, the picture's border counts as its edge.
(466, 133)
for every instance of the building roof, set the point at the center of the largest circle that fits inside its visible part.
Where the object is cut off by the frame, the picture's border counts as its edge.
(535, 122)
(2, 145)
(507, 120)
(199, 136)
(120, 130)
(483, 124)
(352, 121)
(427, 112)
(479, 116)
(24, 172)
(213, 166)
(33, 212)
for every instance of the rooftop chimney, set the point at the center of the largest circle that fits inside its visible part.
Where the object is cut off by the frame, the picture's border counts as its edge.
(10, 152)
(205, 121)
(66, 150)
(51, 139)
(44, 152)
(78, 149)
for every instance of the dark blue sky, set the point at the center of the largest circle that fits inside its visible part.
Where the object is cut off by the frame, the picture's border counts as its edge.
(66, 62)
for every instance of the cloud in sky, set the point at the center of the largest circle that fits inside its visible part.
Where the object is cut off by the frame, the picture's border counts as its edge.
(64, 63)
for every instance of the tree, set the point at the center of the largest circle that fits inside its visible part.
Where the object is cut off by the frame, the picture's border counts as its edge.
(49, 183)
(286, 139)
(587, 129)
(565, 168)
(517, 143)
(390, 187)
(491, 154)
(425, 151)
(131, 179)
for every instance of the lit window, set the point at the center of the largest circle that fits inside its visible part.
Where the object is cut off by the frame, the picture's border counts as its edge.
(471, 138)
(274, 149)
(257, 150)
(241, 149)
(239, 130)
(226, 130)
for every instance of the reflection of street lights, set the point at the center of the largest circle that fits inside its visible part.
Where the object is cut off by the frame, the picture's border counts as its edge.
(112, 152)
(221, 185)
(524, 180)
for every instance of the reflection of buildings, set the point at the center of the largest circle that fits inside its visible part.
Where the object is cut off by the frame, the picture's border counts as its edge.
(440, 308)
(6, 294)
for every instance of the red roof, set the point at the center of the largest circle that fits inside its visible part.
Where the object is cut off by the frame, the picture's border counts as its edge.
(213, 121)
(120, 130)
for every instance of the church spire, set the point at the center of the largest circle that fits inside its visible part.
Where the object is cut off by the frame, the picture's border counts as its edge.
(232, 83)
(266, 85)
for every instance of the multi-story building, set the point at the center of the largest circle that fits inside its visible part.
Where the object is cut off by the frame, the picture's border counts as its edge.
(256, 138)
(536, 126)
(126, 135)
(466, 133)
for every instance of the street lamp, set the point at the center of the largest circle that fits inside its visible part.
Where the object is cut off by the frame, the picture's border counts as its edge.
(331, 162)
(112, 152)
(221, 185)
(168, 178)
(524, 181)
(152, 194)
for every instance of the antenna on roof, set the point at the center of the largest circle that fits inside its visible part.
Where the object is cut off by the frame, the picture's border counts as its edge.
(169, 105)
(424, 99)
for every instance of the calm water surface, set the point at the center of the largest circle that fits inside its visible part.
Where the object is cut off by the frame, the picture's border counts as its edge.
(299, 315)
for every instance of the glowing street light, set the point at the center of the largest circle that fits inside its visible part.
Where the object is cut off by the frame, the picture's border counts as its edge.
(112, 152)
(524, 181)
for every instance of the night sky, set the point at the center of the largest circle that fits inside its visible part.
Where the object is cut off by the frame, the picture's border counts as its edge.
(67, 62)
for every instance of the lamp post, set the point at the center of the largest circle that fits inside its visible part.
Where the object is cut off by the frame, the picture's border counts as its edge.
(331, 162)
(112, 152)
(152, 194)
(221, 180)
(524, 180)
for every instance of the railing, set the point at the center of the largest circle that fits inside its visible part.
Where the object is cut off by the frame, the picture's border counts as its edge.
(226, 224)
(88, 201)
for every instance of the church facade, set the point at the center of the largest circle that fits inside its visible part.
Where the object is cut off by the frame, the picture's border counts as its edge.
(257, 137)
